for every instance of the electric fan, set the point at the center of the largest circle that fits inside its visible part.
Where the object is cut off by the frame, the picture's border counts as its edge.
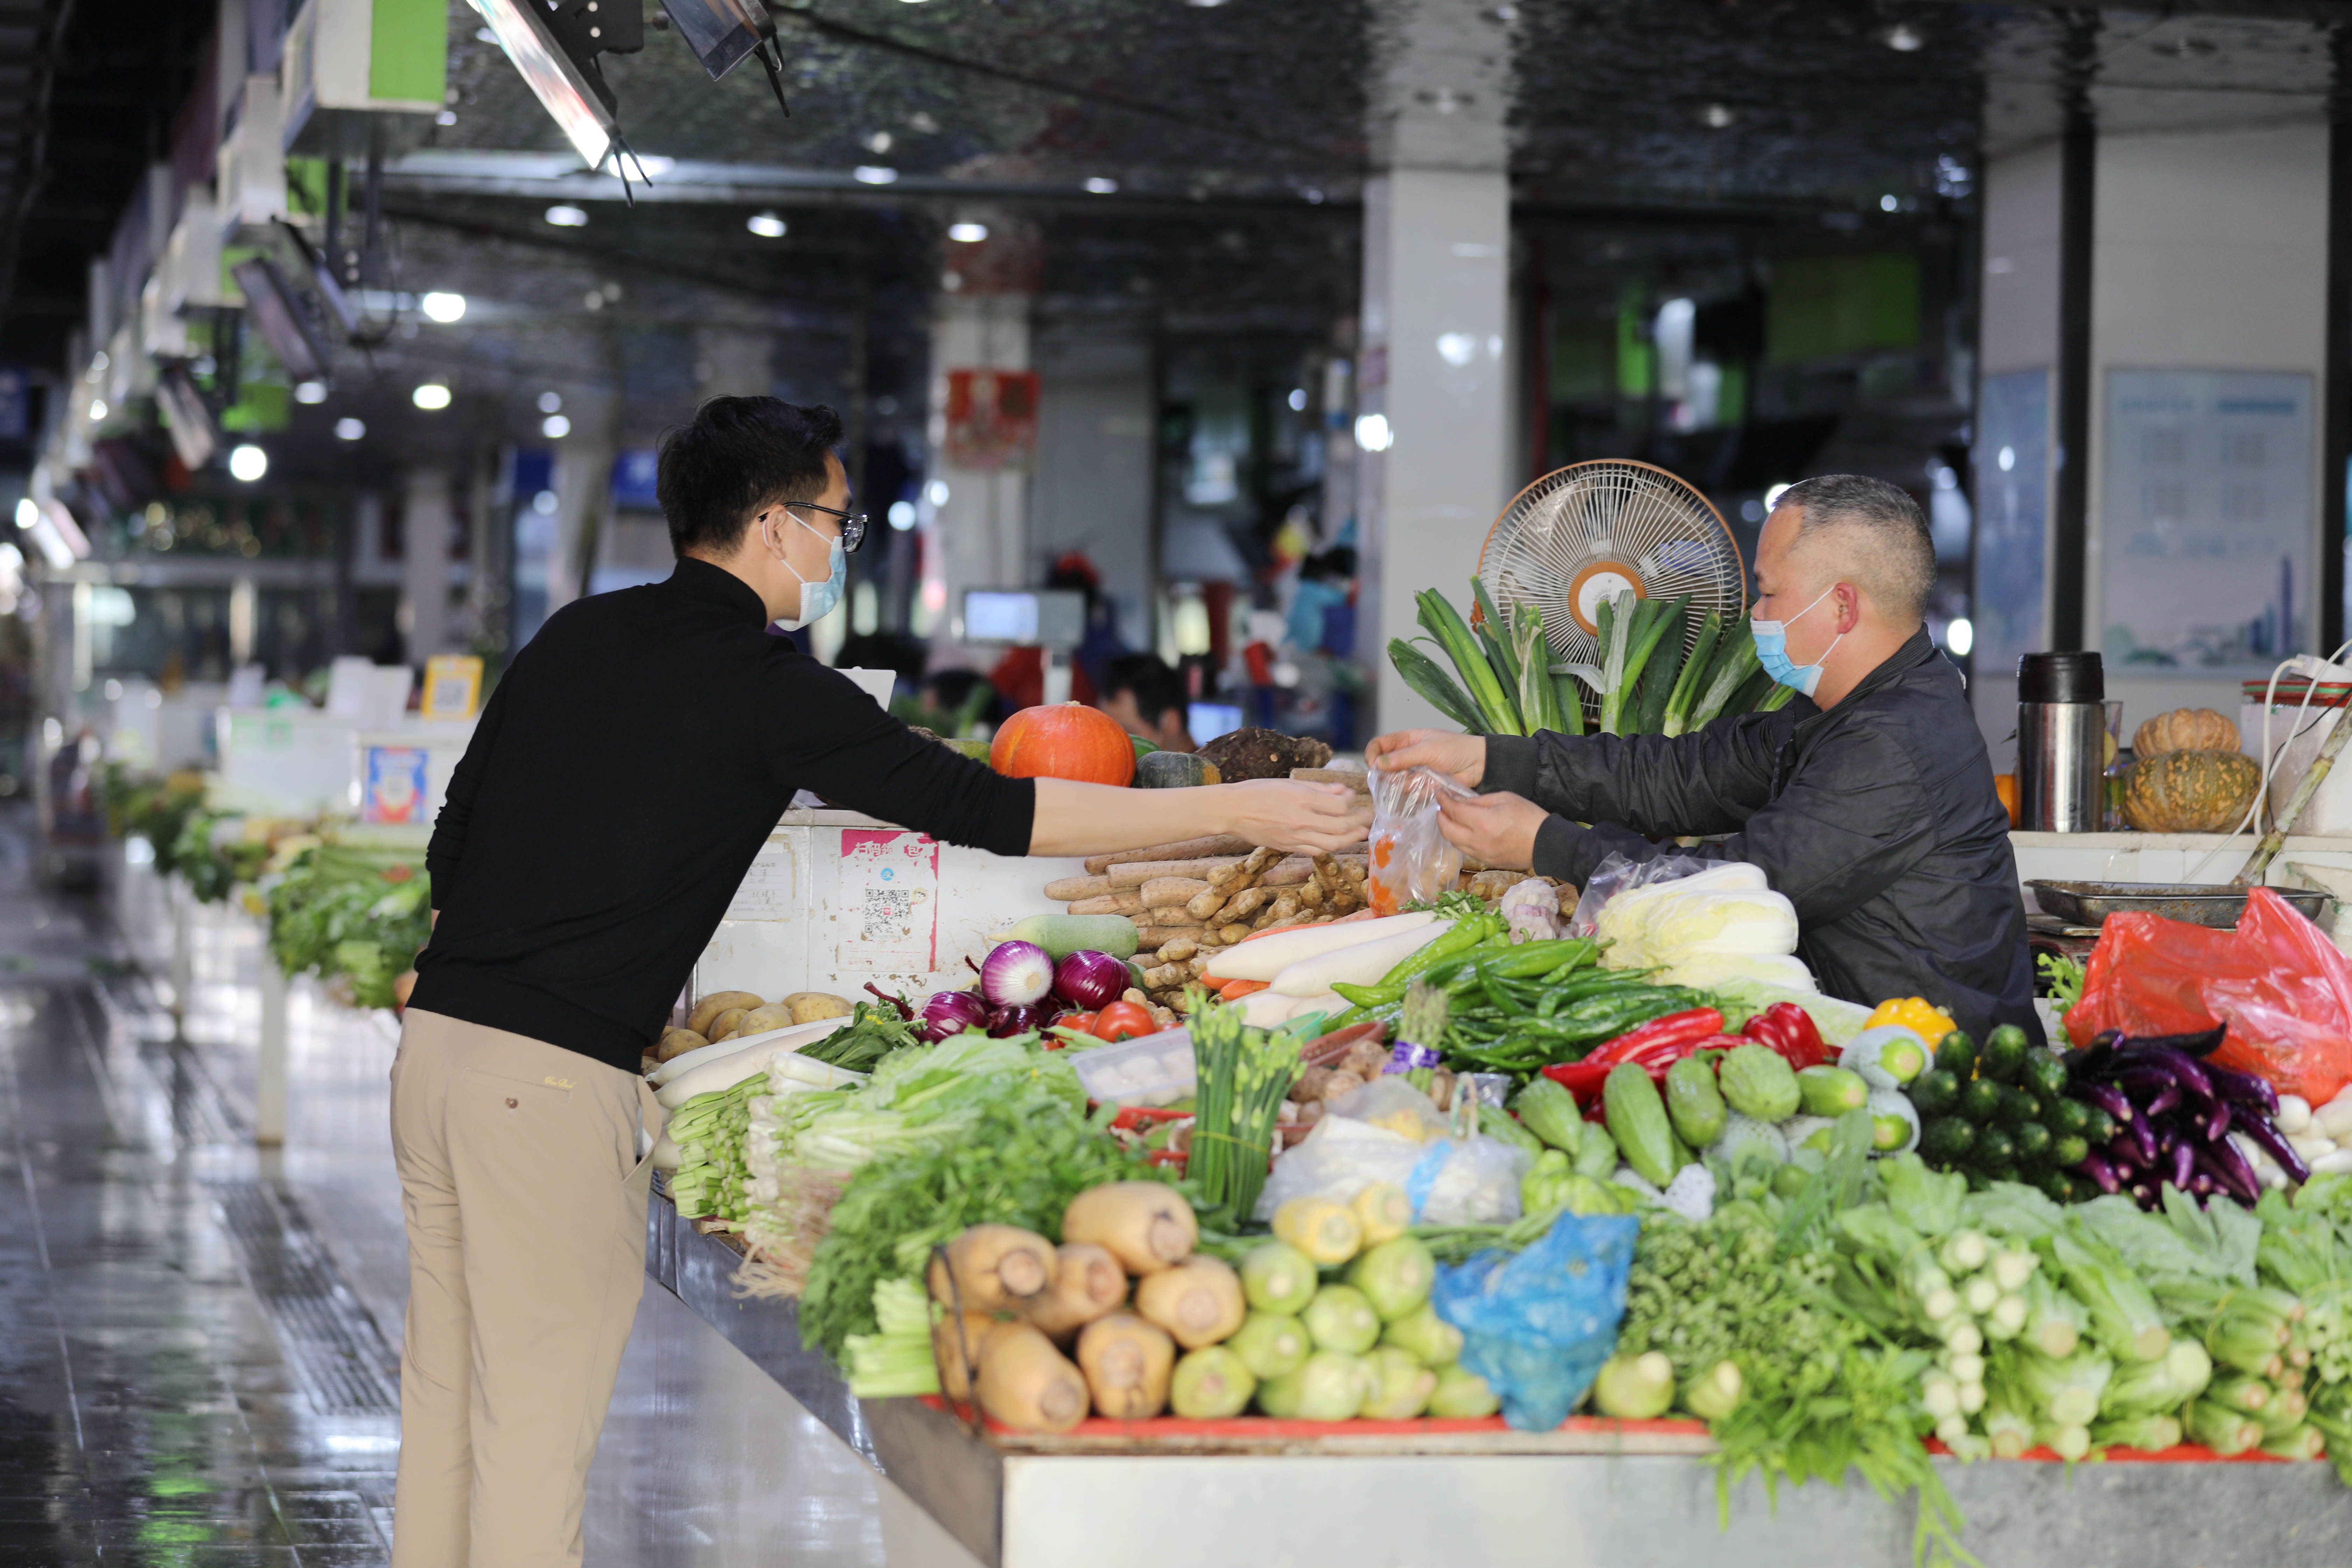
(1592, 531)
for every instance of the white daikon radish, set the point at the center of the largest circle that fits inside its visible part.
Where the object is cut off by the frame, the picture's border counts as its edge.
(666, 1153)
(799, 1034)
(726, 1072)
(2293, 1114)
(1363, 964)
(1263, 958)
(1264, 1009)
(2335, 1118)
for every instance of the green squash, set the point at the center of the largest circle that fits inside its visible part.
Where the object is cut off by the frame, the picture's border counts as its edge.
(2189, 792)
(1173, 770)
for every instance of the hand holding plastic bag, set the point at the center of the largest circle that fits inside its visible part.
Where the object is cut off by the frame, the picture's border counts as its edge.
(1536, 1327)
(2275, 980)
(1411, 862)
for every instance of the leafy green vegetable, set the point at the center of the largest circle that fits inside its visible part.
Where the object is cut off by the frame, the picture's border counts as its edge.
(2066, 976)
(342, 912)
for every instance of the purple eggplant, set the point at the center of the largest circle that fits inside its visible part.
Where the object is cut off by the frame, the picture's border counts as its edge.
(2107, 1098)
(2186, 1073)
(2201, 1185)
(2184, 1162)
(2217, 1123)
(2141, 1137)
(2243, 1089)
(2101, 1172)
(2228, 1165)
(2087, 1063)
(2161, 1101)
(2201, 1043)
(2274, 1143)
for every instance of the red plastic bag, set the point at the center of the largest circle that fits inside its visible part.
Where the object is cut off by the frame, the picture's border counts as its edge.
(2276, 980)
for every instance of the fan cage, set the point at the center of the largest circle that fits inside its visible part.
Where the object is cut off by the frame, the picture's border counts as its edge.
(1610, 512)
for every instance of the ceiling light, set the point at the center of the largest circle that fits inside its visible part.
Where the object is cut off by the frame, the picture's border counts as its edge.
(444, 308)
(902, 515)
(1718, 116)
(1960, 635)
(348, 429)
(97, 409)
(247, 463)
(556, 426)
(1904, 37)
(1888, 204)
(1372, 432)
(936, 492)
(1297, 399)
(767, 225)
(874, 175)
(879, 142)
(430, 395)
(967, 233)
(1102, 185)
(544, 503)
(446, 117)
(98, 362)
(310, 391)
(549, 402)
(28, 512)
(565, 215)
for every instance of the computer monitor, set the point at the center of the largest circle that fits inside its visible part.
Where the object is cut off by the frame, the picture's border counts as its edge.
(1052, 619)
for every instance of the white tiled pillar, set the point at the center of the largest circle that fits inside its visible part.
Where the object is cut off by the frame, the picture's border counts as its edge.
(1433, 406)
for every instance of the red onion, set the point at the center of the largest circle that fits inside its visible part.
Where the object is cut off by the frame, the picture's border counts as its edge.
(1015, 974)
(1091, 980)
(1019, 1019)
(950, 1013)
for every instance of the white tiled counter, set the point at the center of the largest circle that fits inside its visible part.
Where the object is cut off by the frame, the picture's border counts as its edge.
(2167, 856)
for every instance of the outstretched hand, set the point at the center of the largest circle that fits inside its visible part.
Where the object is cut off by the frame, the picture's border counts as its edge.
(1499, 829)
(1295, 817)
(1462, 757)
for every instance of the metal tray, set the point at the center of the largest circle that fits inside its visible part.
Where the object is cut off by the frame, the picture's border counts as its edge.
(2196, 903)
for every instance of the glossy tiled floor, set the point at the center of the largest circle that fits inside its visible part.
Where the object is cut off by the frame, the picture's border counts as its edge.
(199, 1341)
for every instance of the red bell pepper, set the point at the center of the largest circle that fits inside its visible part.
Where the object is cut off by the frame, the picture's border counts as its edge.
(1634, 1045)
(1790, 1033)
(1656, 1050)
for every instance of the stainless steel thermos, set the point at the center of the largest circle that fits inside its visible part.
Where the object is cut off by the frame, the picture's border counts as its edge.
(2062, 743)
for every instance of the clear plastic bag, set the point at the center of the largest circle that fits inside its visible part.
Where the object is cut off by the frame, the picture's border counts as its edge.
(1537, 1326)
(1617, 874)
(2276, 980)
(1411, 862)
(1468, 1181)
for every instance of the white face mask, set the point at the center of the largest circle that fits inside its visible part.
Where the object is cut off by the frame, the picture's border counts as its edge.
(817, 599)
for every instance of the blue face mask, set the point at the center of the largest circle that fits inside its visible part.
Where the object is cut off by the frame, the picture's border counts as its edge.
(818, 599)
(1772, 649)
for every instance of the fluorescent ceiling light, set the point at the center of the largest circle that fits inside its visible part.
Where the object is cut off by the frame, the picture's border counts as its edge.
(444, 308)
(565, 215)
(874, 175)
(767, 225)
(247, 463)
(348, 429)
(1102, 185)
(432, 394)
(310, 392)
(968, 232)
(549, 402)
(556, 426)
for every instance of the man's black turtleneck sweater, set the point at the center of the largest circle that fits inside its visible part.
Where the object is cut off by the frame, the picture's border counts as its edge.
(636, 756)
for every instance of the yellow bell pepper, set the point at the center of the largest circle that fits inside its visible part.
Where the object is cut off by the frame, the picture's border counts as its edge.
(1917, 1014)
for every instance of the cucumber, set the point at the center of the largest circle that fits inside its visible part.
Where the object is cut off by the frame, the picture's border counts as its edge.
(2061, 1188)
(1596, 1152)
(2015, 1109)
(1995, 1151)
(1636, 1118)
(1947, 1140)
(2069, 1150)
(1062, 935)
(2099, 1130)
(2045, 1075)
(2068, 1115)
(1935, 1092)
(1831, 1091)
(1757, 1081)
(2034, 1144)
(1694, 1104)
(1979, 1099)
(2003, 1056)
(1956, 1053)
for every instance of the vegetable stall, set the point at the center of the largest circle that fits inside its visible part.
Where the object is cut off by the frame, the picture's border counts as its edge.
(1514, 1221)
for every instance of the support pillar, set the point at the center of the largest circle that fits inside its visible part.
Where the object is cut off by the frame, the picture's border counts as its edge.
(1434, 414)
(270, 1074)
(426, 520)
(976, 531)
(2078, 163)
(2336, 418)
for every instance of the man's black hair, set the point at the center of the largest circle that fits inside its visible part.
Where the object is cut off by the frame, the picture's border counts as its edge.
(737, 456)
(1156, 688)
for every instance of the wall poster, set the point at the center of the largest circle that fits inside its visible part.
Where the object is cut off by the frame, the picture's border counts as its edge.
(2206, 520)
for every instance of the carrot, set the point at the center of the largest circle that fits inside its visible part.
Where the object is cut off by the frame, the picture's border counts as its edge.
(1235, 990)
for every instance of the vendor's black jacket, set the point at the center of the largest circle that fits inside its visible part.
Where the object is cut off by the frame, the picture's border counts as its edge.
(1877, 820)
(635, 758)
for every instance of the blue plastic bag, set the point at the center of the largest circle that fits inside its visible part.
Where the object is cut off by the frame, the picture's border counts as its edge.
(1536, 1327)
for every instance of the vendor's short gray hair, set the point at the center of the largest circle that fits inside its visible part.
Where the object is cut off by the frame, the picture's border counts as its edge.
(1895, 555)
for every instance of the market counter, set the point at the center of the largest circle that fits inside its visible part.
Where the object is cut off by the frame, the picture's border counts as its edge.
(1422, 1493)
(2166, 857)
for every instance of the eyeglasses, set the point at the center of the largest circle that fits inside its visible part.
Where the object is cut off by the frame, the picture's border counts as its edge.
(853, 523)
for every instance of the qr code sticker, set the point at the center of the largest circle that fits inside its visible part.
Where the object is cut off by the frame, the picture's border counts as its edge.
(889, 914)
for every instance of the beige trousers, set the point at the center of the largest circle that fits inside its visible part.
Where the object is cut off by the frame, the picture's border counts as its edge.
(525, 1196)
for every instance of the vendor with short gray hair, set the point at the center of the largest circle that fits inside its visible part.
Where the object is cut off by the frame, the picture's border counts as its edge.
(1868, 800)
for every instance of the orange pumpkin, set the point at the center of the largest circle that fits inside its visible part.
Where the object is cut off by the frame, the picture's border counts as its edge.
(1064, 741)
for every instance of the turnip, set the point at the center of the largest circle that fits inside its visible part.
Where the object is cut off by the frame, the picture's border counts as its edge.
(1340, 1319)
(1210, 1385)
(1026, 1384)
(1462, 1394)
(1635, 1388)
(1277, 1277)
(1087, 1283)
(1147, 1225)
(1329, 1386)
(1127, 1363)
(1400, 1387)
(1199, 1301)
(993, 1269)
(1422, 1331)
(957, 1341)
(1382, 1212)
(1326, 1232)
(1395, 1276)
(1271, 1344)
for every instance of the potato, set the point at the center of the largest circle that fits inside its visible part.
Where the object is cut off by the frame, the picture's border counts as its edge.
(725, 1026)
(676, 1043)
(815, 1006)
(718, 1002)
(774, 1016)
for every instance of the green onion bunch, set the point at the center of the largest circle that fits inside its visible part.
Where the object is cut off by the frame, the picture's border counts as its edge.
(1244, 1076)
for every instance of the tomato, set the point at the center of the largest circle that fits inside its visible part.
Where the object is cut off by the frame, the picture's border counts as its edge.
(1123, 1021)
(1075, 1022)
